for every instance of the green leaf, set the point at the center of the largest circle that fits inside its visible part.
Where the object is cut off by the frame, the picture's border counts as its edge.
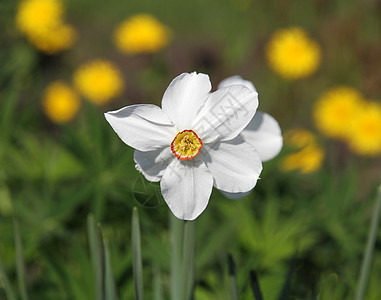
(4, 283)
(137, 255)
(110, 290)
(20, 262)
(369, 249)
(96, 257)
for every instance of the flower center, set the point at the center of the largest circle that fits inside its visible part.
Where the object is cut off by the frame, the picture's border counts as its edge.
(186, 145)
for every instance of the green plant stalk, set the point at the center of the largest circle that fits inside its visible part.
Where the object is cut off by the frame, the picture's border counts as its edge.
(4, 282)
(95, 254)
(137, 256)
(176, 227)
(369, 249)
(188, 259)
(20, 261)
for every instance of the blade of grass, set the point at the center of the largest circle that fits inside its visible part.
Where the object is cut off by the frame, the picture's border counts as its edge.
(368, 254)
(287, 283)
(176, 227)
(20, 261)
(137, 256)
(255, 285)
(110, 290)
(233, 278)
(95, 253)
(188, 259)
(4, 282)
(158, 292)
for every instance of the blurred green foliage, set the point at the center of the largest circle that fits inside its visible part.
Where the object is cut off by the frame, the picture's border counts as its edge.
(52, 177)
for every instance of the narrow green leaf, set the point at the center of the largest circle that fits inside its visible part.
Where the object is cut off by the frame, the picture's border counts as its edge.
(20, 261)
(188, 259)
(232, 278)
(254, 282)
(157, 289)
(176, 256)
(110, 290)
(96, 259)
(369, 249)
(137, 256)
(4, 283)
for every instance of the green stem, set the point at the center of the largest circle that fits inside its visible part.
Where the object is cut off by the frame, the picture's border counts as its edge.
(188, 259)
(176, 256)
(182, 258)
(368, 255)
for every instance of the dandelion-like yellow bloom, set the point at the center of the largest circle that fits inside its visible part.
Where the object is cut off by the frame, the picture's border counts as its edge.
(36, 16)
(292, 54)
(60, 102)
(99, 81)
(54, 41)
(141, 34)
(306, 161)
(365, 136)
(300, 138)
(335, 110)
(309, 156)
(42, 23)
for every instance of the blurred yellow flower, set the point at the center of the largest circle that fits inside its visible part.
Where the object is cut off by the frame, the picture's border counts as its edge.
(41, 21)
(365, 137)
(54, 41)
(36, 16)
(98, 81)
(300, 138)
(292, 54)
(309, 156)
(141, 34)
(335, 110)
(60, 102)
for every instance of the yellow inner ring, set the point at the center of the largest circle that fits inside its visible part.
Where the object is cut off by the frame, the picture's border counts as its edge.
(186, 144)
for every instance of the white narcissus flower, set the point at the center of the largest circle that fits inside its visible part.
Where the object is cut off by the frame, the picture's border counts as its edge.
(193, 142)
(263, 131)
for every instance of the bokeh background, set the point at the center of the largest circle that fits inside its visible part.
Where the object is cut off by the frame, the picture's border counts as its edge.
(316, 65)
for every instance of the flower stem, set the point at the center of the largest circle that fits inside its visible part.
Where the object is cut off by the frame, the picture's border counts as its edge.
(176, 244)
(188, 258)
(182, 258)
(368, 255)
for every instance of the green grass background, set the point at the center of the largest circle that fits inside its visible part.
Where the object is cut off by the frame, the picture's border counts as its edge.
(52, 177)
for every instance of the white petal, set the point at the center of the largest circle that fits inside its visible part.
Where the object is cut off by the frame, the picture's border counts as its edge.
(235, 165)
(186, 187)
(152, 164)
(236, 79)
(264, 134)
(226, 113)
(184, 97)
(144, 127)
